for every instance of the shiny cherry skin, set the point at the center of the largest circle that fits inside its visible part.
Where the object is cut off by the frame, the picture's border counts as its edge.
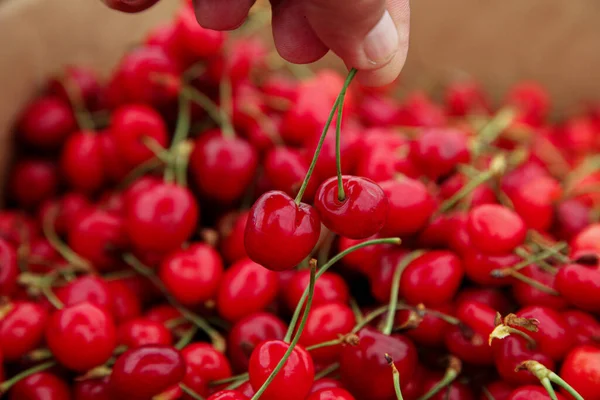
(361, 214)
(47, 122)
(32, 181)
(228, 395)
(586, 242)
(466, 97)
(41, 385)
(382, 163)
(21, 329)
(362, 260)
(325, 383)
(204, 364)
(192, 275)
(99, 237)
(285, 169)
(585, 327)
(531, 100)
(329, 288)
(432, 279)
(248, 332)
(246, 389)
(130, 126)
(166, 208)
(479, 266)
(534, 202)
(9, 269)
(231, 230)
(126, 300)
(82, 163)
(532, 392)
(495, 229)
(331, 394)
(69, 207)
(510, 352)
(528, 295)
(571, 216)
(81, 336)
(223, 167)
(555, 337)
(246, 288)
(364, 369)
(471, 344)
(491, 297)
(294, 380)
(326, 322)
(437, 151)
(431, 330)
(87, 288)
(581, 369)
(381, 276)
(130, 6)
(92, 389)
(141, 332)
(199, 42)
(280, 233)
(410, 206)
(580, 286)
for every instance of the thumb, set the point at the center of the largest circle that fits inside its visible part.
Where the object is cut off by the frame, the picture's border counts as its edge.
(362, 32)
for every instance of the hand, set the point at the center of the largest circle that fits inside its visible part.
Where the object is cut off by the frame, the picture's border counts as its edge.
(370, 35)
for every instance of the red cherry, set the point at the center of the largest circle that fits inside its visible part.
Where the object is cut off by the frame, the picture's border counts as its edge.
(69, 207)
(244, 55)
(285, 169)
(586, 242)
(228, 395)
(491, 297)
(383, 163)
(531, 392)
(294, 380)
(325, 383)
(381, 275)
(223, 167)
(466, 97)
(246, 389)
(361, 214)
(499, 390)
(32, 181)
(115, 167)
(364, 369)
(280, 233)
(146, 371)
(419, 110)
(246, 288)
(204, 364)
(363, 260)
(555, 336)
(495, 229)
(196, 40)
(231, 229)
(9, 269)
(192, 275)
(571, 216)
(248, 332)
(410, 206)
(126, 304)
(41, 385)
(431, 330)
(130, 126)
(82, 163)
(83, 81)
(531, 100)
(329, 288)
(47, 122)
(326, 163)
(432, 279)
(142, 331)
(534, 202)
(581, 370)
(166, 208)
(479, 266)
(510, 352)
(482, 194)
(528, 295)
(471, 344)
(92, 389)
(437, 151)
(81, 336)
(165, 37)
(455, 391)
(17, 228)
(21, 329)
(585, 327)
(580, 285)
(130, 6)
(378, 110)
(89, 288)
(331, 394)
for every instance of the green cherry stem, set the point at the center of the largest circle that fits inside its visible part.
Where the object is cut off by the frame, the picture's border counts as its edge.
(61, 247)
(7, 384)
(547, 376)
(389, 324)
(395, 375)
(184, 120)
(338, 134)
(452, 372)
(279, 367)
(328, 265)
(313, 163)
(326, 371)
(205, 103)
(186, 338)
(187, 390)
(231, 379)
(226, 108)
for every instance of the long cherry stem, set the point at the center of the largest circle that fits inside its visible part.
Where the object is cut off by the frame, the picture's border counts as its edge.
(396, 377)
(546, 376)
(7, 384)
(338, 134)
(452, 372)
(313, 163)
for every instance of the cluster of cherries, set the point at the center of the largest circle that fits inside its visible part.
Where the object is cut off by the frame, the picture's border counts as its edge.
(206, 226)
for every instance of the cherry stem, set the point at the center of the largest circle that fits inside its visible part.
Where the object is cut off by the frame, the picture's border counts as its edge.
(231, 379)
(292, 345)
(211, 108)
(546, 376)
(184, 121)
(186, 338)
(218, 341)
(237, 384)
(328, 265)
(187, 390)
(358, 315)
(226, 100)
(349, 338)
(373, 315)
(389, 324)
(7, 384)
(528, 260)
(181, 161)
(395, 375)
(450, 376)
(84, 119)
(444, 317)
(487, 393)
(49, 294)
(327, 370)
(159, 151)
(531, 282)
(338, 134)
(494, 128)
(313, 163)
(139, 171)
(61, 247)
(501, 331)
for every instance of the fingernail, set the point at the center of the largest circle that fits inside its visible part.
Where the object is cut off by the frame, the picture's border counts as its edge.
(382, 42)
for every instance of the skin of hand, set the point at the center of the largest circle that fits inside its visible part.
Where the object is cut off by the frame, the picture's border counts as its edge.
(370, 35)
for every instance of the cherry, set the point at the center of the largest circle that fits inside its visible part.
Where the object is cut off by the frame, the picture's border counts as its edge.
(510, 352)
(364, 259)
(89, 288)
(327, 322)
(248, 332)
(383, 163)
(531, 392)
(534, 202)
(291, 229)
(349, 152)
(204, 364)
(555, 336)
(223, 166)
(585, 328)
(432, 279)
(130, 6)
(41, 385)
(17, 228)
(361, 214)
(115, 167)
(479, 266)
(98, 237)
(285, 169)
(9, 269)
(437, 151)
(228, 395)
(329, 288)
(142, 331)
(499, 390)
(81, 336)
(82, 81)
(231, 229)
(531, 100)
(580, 285)
(246, 288)
(586, 242)
(431, 330)
(571, 216)
(382, 274)
(482, 194)
(530, 295)
(47, 122)
(413, 388)
(21, 329)
(69, 208)
(2, 375)
(491, 297)
(166, 208)
(454, 391)
(133, 124)
(192, 275)
(146, 371)
(82, 163)
(418, 109)
(364, 369)
(125, 301)
(331, 394)
(410, 206)
(495, 229)
(471, 344)
(92, 389)
(246, 389)
(581, 370)
(466, 97)
(377, 110)
(197, 41)
(33, 181)
(325, 383)
(295, 379)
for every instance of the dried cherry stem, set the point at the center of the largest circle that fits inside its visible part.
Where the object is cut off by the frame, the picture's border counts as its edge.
(389, 323)
(528, 260)
(501, 331)
(338, 134)
(294, 342)
(42, 284)
(187, 390)
(313, 163)
(452, 372)
(328, 265)
(61, 247)
(493, 129)
(547, 377)
(327, 370)
(7, 384)
(350, 339)
(217, 340)
(395, 375)
(539, 259)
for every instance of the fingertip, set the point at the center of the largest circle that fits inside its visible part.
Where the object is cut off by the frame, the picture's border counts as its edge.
(222, 15)
(386, 74)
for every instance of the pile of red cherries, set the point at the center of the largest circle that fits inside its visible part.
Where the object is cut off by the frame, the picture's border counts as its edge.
(206, 225)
